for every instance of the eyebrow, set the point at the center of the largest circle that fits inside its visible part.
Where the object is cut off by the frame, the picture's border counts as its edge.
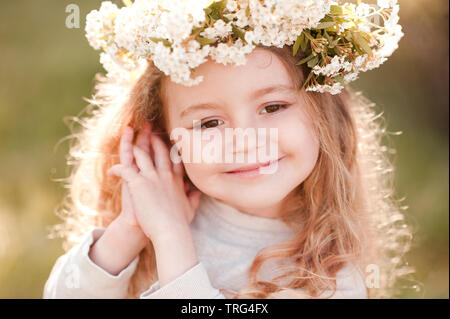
(254, 95)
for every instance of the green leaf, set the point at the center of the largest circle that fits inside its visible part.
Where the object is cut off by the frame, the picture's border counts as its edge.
(336, 10)
(216, 8)
(305, 60)
(331, 41)
(219, 5)
(324, 25)
(312, 63)
(204, 41)
(334, 28)
(195, 30)
(340, 79)
(362, 43)
(327, 36)
(237, 33)
(348, 36)
(164, 41)
(215, 15)
(304, 42)
(297, 45)
(365, 36)
(349, 10)
(208, 19)
(310, 75)
(327, 18)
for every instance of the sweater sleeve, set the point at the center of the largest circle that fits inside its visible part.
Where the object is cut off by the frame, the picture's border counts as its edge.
(76, 276)
(193, 284)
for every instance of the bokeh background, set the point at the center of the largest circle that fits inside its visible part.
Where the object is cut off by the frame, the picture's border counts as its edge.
(46, 69)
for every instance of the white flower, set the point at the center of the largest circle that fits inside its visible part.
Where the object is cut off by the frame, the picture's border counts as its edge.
(386, 3)
(232, 5)
(100, 25)
(363, 9)
(373, 63)
(350, 77)
(360, 60)
(284, 20)
(336, 64)
(161, 30)
(240, 17)
(334, 89)
(220, 29)
(122, 75)
(231, 54)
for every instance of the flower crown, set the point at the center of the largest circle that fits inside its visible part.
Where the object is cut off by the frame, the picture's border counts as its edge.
(338, 40)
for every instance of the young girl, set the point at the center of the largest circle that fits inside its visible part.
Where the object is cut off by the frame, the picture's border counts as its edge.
(139, 225)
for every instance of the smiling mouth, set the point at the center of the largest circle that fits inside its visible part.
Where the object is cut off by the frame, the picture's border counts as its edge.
(252, 170)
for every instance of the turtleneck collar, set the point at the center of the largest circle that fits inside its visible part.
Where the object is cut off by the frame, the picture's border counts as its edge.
(253, 226)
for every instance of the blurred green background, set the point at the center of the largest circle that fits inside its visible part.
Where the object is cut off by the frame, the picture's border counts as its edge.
(46, 69)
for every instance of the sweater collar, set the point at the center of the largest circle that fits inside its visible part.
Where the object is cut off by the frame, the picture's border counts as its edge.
(220, 213)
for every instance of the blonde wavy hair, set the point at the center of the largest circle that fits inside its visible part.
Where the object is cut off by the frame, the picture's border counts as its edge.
(344, 212)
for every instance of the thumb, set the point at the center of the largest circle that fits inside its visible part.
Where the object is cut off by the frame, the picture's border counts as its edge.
(128, 173)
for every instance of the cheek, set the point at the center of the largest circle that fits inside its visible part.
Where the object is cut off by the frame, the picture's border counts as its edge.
(195, 171)
(297, 139)
(200, 174)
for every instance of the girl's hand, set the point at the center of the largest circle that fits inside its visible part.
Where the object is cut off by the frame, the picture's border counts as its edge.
(128, 214)
(123, 239)
(154, 193)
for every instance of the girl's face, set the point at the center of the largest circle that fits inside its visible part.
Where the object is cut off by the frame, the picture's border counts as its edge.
(231, 97)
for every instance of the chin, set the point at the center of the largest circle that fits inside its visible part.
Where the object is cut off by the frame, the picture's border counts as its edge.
(254, 197)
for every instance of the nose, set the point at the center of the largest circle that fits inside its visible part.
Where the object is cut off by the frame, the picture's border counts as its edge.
(247, 138)
(246, 141)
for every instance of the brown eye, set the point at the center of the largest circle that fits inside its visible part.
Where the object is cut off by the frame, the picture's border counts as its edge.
(211, 123)
(273, 108)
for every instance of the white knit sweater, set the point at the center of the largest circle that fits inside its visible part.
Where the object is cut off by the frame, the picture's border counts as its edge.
(226, 240)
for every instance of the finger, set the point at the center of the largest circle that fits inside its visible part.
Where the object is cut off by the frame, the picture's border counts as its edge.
(143, 139)
(126, 144)
(162, 158)
(186, 187)
(143, 160)
(128, 173)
